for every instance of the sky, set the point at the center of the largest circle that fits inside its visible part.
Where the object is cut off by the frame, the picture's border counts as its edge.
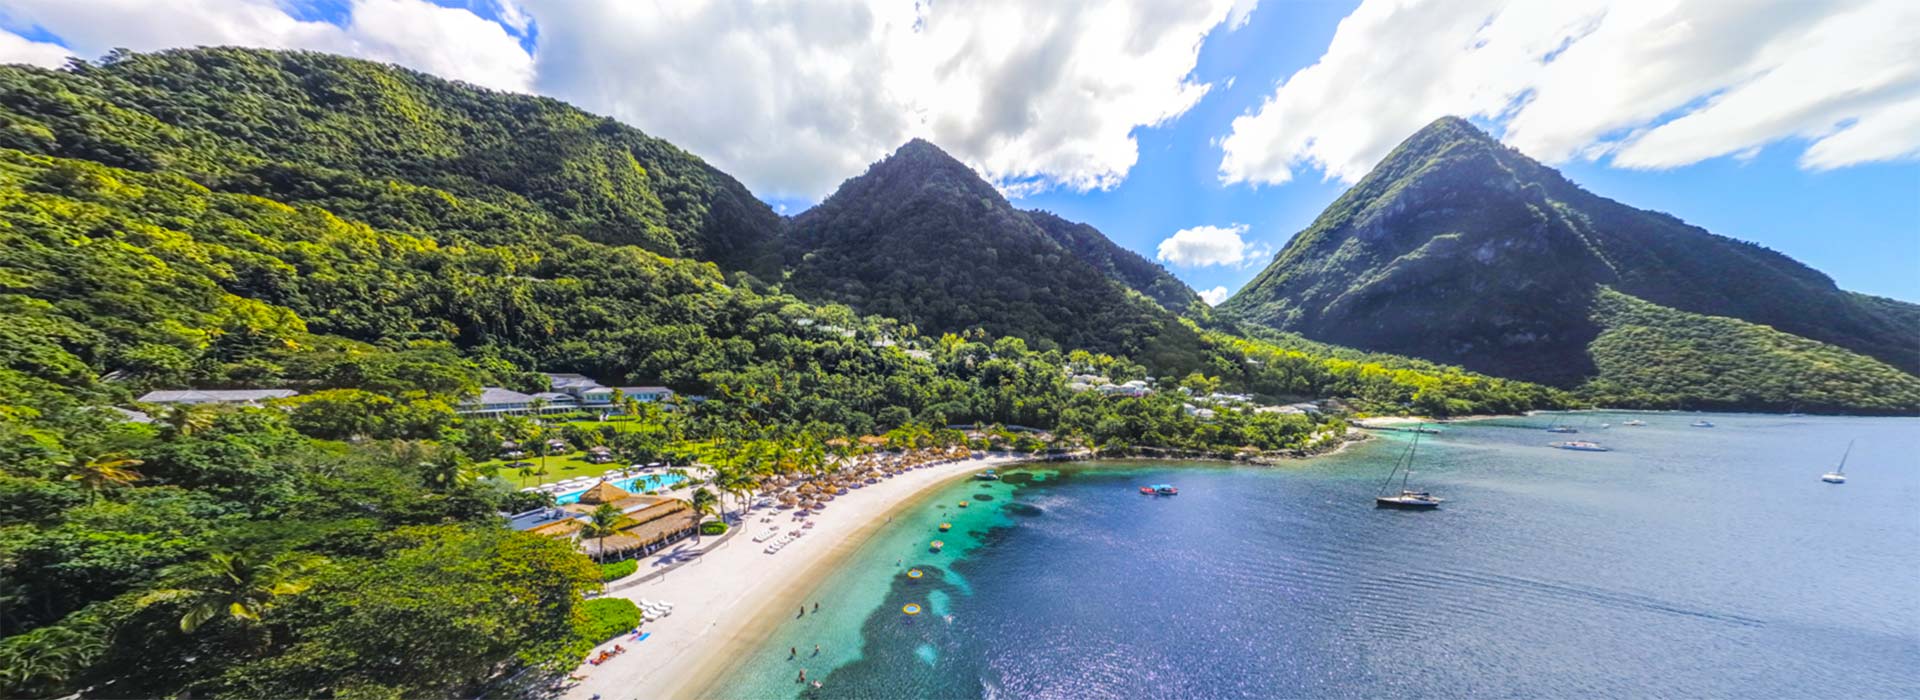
(1201, 134)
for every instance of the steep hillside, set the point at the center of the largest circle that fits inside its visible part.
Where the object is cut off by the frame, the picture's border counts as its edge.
(1651, 355)
(1119, 264)
(1459, 249)
(386, 145)
(920, 237)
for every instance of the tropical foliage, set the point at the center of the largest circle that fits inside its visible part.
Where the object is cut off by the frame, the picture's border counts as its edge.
(386, 244)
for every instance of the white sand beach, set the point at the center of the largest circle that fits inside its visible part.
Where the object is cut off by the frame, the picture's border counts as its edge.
(725, 600)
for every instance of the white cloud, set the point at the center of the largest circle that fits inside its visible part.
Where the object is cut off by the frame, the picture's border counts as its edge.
(1649, 84)
(449, 42)
(793, 98)
(1201, 246)
(1214, 296)
(18, 49)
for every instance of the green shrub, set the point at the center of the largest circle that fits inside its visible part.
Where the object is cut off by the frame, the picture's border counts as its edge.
(713, 527)
(608, 618)
(618, 570)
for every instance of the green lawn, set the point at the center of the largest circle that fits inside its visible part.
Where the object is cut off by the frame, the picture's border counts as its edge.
(559, 468)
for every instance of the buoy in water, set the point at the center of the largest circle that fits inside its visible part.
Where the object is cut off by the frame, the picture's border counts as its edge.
(914, 574)
(910, 608)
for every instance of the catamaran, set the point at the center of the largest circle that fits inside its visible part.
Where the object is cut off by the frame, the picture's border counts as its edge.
(1839, 474)
(1407, 498)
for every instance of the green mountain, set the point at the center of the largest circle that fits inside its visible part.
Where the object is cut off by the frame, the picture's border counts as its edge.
(1119, 264)
(387, 145)
(1461, 250)
(921, 238)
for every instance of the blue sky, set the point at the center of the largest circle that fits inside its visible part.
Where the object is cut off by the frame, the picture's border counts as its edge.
(1859, 224)
(1791, 124)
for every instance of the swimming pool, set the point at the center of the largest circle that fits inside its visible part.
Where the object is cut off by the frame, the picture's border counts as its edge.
(632, 484)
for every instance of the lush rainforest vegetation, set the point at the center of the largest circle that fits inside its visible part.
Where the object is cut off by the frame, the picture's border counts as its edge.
(386, 243)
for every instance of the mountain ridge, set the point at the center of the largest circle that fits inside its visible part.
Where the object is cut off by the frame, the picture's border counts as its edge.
(921, 237)
(1450, 201)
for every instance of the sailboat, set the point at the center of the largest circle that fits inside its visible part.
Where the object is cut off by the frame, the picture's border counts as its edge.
(1407, 498)
(1839, 474)
(1557, 427)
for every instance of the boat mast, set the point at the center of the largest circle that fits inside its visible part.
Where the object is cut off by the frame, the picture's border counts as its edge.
(1843, 458)
(1406, 457)
(1410, 449)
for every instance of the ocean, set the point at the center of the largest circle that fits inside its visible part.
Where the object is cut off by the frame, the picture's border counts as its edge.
(1687, 562)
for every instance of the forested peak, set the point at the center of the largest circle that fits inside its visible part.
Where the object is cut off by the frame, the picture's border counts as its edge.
(920, 164)
(390, 146)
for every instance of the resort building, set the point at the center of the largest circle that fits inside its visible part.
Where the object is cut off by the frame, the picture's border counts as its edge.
(648, 523)
(227, 396)
(566, 393)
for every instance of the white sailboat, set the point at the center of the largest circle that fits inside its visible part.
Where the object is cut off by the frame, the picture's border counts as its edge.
(1839, 474)
(1407, 498)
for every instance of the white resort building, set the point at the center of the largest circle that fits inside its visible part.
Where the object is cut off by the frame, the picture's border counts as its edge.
(566, 393)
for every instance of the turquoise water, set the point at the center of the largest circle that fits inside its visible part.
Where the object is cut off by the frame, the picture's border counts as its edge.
(1688, 562)
(632, 484)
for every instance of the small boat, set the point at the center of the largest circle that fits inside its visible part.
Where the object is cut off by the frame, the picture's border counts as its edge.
(1702, 423)
(1407, 498)
(936, 545)
(946, 526)
(1634, 423)
(1159, 490)
(1562, 429)
(1580, 446)
(988, 475)
(1146, 490)
(963, 504)
(1839, 474)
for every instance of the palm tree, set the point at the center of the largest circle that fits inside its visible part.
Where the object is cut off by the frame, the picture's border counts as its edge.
(100, 472)
(703, 505)
(602, 523)
(526, 472)
(236, 584)
(186, 419)
(446, 473)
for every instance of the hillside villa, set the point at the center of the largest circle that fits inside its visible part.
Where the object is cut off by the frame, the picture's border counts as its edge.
(221, 396)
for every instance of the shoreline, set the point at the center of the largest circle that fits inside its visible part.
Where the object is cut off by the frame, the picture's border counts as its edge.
(728, 599)
(742, 594)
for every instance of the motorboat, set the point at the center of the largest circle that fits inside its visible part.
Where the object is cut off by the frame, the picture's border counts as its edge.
(1580, 446)
(1159, 490)
(1702, 423)
(1634, 423)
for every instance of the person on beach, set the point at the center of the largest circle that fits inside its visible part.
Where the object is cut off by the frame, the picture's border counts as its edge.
(816, 607)
(803, 611)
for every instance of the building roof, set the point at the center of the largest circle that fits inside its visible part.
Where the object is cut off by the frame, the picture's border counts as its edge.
(604, 492)
(567, 379)
(631, 390)
(655, 523)
(494, 394)
(553, 396)
(215, 395)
